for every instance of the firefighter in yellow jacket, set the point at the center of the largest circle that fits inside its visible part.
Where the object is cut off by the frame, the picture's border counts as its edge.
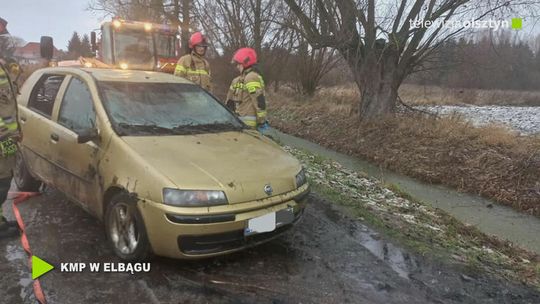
(194, 66)
(246, 93)
(9, 133)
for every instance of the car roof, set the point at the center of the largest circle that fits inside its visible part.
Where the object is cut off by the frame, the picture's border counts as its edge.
(101, 74)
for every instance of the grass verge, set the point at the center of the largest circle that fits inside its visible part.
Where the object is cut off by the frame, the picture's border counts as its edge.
(417, 226)
(488, 161)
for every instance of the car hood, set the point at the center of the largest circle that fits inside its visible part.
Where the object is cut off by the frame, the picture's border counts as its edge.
(239, 163)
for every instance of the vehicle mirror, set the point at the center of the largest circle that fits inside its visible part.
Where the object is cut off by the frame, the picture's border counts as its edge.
(93, 41)
(86, 136)
(46, 47)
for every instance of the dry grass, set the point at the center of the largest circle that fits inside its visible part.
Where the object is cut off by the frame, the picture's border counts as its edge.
(413, 94)
(490, 161)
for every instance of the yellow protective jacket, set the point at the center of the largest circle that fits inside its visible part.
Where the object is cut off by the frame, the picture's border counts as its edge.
(8, 124)
(196, 69)
(246, 97)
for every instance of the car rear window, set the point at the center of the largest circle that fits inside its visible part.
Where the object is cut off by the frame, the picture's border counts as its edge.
(44, 94)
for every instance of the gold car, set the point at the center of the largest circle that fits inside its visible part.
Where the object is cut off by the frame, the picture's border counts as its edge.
(165, 166)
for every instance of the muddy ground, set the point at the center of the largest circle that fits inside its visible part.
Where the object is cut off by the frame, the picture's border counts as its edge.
(327, 258)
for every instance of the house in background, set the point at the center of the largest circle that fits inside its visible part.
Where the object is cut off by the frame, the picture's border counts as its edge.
(30, 54)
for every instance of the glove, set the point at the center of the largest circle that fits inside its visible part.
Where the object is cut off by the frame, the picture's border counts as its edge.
(263, 127)
(231, 105)
(8, 147)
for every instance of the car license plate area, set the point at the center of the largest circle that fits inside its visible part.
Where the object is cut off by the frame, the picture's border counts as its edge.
(269, 222)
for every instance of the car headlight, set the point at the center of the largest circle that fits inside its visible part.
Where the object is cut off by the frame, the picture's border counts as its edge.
(301, 178)
(193, 198)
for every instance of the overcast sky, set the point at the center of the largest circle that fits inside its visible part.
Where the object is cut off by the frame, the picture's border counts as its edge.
(31, 19)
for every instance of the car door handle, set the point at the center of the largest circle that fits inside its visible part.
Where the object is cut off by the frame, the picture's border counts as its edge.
(23, 119)
(55, 137)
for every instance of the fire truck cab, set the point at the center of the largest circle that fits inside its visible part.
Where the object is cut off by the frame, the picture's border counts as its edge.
(131, 45)
(137, 45)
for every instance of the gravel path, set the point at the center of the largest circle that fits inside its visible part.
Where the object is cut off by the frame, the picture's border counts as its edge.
(525, 120)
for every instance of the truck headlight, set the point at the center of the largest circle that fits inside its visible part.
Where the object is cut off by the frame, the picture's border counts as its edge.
(193, 198)
(301, 178)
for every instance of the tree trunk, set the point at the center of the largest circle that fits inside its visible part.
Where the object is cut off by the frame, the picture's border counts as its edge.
(257, 35)
(378, 80)
(276, 85)
(309, 86)
(186, 22)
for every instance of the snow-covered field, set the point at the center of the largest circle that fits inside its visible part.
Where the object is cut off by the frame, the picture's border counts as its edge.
(525, 120)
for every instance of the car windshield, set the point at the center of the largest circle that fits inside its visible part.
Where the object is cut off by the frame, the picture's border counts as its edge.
(164, 109)
(134, 48)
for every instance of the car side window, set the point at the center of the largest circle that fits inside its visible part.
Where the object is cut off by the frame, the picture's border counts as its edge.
(44, 94)
(77, 110)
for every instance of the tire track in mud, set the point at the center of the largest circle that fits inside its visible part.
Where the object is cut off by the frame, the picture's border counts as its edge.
(327, 258)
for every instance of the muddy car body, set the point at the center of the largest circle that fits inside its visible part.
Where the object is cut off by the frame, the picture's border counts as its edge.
(167, 168)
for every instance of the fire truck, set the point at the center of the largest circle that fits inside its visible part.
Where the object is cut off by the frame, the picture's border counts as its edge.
(125, 44)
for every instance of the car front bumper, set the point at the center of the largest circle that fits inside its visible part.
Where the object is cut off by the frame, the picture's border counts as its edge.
(192, 233)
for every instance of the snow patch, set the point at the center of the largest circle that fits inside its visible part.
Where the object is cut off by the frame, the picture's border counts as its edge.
(525, 120)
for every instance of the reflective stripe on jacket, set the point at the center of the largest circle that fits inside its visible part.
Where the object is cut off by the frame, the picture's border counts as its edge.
(196, 69)
(249, 120)
(8, 125)
(247, 92)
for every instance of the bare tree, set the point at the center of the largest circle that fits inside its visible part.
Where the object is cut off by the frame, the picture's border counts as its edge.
(147, 10)
(239, 23)
(8, 44)
(311, 65)
(381, 41)
(232, 24)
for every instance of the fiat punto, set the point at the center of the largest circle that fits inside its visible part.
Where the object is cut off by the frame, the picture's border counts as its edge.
(166, 167)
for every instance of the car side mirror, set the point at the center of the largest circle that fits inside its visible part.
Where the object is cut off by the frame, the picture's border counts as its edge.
(86, 136)
(46, 47)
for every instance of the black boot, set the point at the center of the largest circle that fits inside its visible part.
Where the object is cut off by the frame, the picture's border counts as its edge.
(7, 231)
(9, 223)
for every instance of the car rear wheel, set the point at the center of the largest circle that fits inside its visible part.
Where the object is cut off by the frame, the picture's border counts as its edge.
(23, 178)
(125, 229)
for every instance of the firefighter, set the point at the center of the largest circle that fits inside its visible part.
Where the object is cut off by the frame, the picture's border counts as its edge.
(246, 93)
(9, 133)
(194, 66)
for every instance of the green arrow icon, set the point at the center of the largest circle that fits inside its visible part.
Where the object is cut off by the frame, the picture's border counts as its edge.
(40, 267)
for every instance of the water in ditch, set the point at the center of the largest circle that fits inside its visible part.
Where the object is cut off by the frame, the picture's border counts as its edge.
(488, 216)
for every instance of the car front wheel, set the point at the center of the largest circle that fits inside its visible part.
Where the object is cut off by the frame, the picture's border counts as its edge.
(125, 229)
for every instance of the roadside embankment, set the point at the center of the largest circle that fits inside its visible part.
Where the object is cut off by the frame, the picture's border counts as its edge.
(427, 230)
(490, 161)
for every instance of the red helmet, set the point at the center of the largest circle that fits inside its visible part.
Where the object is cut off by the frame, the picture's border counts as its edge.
(197, 39)
(246, 57)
